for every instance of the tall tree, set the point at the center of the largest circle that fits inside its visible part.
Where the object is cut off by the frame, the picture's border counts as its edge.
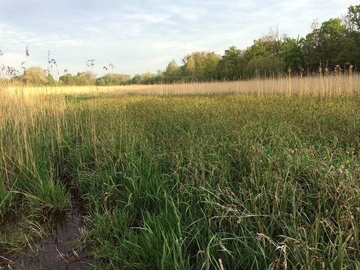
(268, 66)
(351, 46)
(268, 45)
(293, 56)
(172, 69)
(332, 34)
(323, 45)
(232, 63)
(35, 76)
(201, 65)
(211, 63)
(353, 16)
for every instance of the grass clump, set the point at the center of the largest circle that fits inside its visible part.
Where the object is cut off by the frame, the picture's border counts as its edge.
(233, 182)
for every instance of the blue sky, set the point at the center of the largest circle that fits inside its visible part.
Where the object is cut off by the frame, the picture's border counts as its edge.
(138, 36)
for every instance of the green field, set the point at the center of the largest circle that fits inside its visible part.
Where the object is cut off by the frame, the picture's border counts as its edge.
(212, 181)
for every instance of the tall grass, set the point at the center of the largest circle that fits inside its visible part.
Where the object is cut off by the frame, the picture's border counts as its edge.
(316, 86)
(225, 181)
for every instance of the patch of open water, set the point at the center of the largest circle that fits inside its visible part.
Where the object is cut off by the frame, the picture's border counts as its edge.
(56, 251)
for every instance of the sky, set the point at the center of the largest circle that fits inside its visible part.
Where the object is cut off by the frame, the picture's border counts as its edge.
(137, 36)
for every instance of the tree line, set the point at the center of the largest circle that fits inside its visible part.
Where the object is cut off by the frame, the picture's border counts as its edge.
(332, 47)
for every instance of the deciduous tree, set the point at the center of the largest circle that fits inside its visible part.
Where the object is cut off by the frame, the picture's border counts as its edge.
(232, 63)
(35, 76)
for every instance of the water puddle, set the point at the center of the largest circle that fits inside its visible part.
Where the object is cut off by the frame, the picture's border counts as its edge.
(56, 251)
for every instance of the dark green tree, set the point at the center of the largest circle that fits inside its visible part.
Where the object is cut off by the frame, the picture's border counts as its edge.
(136, 79)
(268, 66)
(268, 45)
(332, 35)
(353, 16)
(232, 64)
(293, 56)
(323, 45)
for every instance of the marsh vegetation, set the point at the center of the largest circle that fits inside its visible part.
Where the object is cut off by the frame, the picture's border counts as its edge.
(259, 174)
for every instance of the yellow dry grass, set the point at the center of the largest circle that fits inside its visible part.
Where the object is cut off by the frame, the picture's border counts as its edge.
(328, 85)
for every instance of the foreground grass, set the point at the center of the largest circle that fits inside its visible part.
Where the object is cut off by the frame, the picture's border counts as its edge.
(191, 182)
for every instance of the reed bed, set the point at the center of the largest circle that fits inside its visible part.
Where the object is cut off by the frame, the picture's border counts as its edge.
(256, 175)
(316, 85)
